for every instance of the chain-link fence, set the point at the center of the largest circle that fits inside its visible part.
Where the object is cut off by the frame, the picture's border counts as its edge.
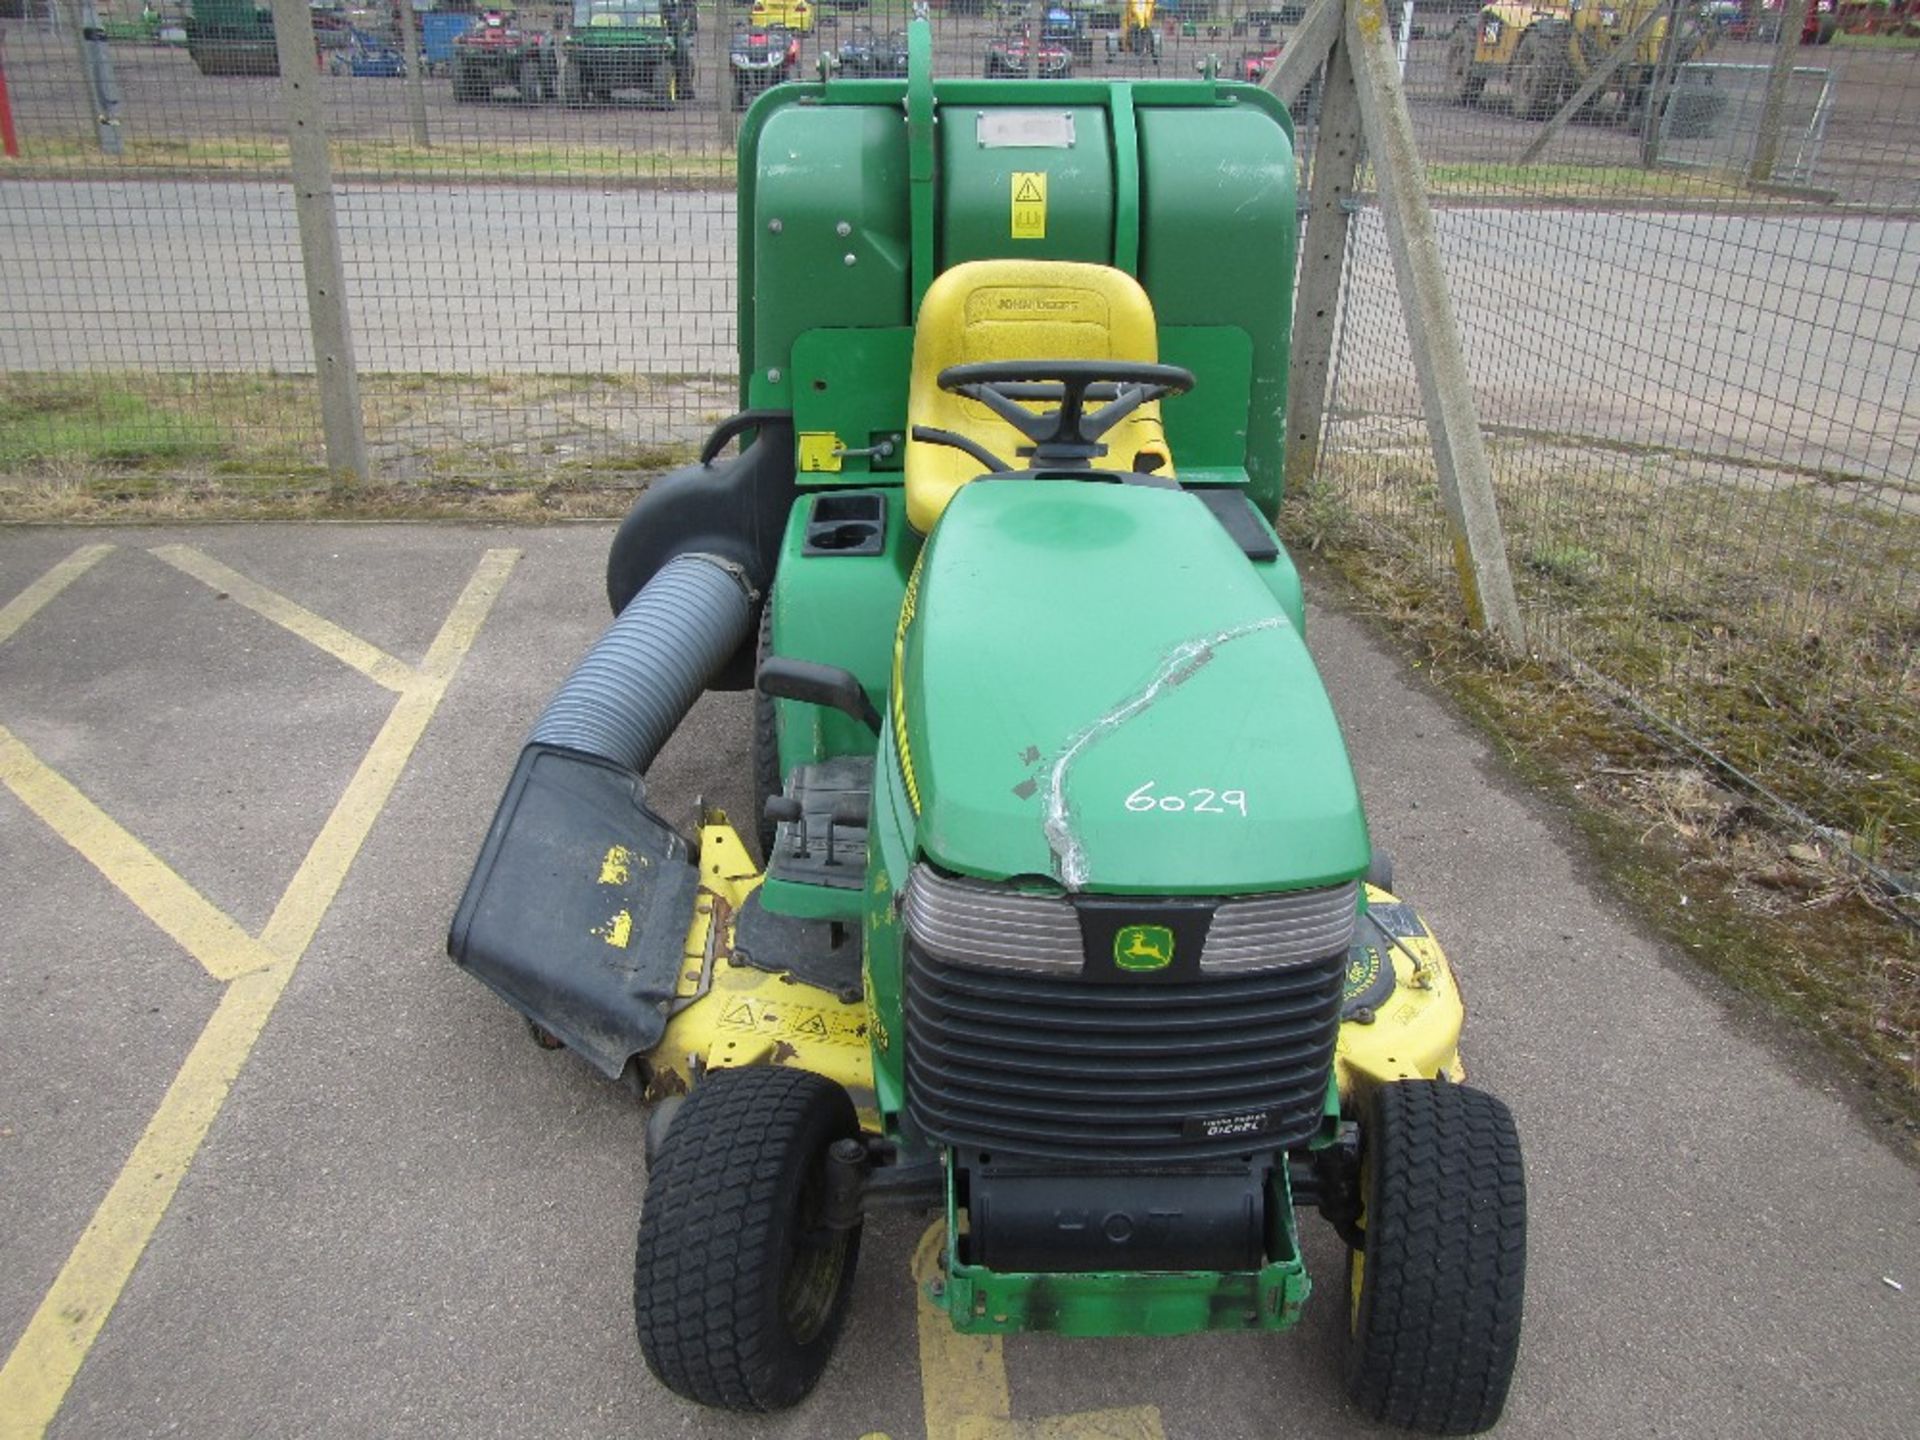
(535, 214)
(1683, 257)
(1696, 373)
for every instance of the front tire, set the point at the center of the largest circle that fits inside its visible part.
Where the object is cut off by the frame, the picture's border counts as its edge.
(1436, 1297)
(739, 1291)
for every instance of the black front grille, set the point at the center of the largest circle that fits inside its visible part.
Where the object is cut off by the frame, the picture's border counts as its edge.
(1025, 1064)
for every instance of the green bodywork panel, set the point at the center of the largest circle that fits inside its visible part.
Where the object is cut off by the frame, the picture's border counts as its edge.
(1210, 178)
(846, 214)
(1100, 690)
(816, 169)
(976, 186)
(1135, 1302)
(838, 610)
(853, 384)
(890, 825)
(810, 902)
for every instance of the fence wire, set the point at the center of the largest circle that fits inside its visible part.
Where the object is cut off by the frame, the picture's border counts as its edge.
(1688, 312)
(537, 235)
(1697, 383)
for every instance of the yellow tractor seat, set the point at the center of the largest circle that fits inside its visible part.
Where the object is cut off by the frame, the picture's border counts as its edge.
(1020, 310)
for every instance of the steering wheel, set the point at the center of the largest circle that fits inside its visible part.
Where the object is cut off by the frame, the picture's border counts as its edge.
(1067, 437)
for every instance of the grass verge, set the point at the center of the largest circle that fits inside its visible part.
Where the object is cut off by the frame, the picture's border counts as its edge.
(364, 160)
(1492, 181)
(1737, 632)
(377, 160)
(95, 446)
(1844, 41)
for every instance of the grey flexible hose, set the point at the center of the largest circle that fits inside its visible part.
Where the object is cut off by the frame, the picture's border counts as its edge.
(636, 684)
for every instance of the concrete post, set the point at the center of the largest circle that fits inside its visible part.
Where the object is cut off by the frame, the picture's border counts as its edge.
(409, 23)
(96, 70)
(1300, 61)
(1439, 362)
(1336, 159)
(722, 79)
(320, 244)
(1662, 83)
(1766, 145)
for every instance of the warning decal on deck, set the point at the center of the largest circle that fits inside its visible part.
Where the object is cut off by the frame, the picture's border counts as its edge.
(790, 1021)
(1029, 204)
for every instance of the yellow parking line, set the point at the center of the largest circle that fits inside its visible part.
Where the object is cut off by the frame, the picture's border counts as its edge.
(51, 1350)
(313, 886)
(963, 1378)
(37, 1374)
(29, 602)
(346, 647)
(192, 921)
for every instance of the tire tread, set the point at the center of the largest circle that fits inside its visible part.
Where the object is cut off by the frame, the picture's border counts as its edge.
(1438, 1329)
(710, 1237)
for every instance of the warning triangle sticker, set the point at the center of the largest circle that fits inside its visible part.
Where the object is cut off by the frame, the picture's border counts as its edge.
(1029, 191)
(741, 1014)
(812, 1025)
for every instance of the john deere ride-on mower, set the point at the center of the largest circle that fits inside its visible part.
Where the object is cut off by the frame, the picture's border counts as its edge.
(1068, 923)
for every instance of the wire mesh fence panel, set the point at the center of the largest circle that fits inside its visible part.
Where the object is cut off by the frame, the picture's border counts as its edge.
(152, 312)
(1689, 320)
(1712, 121)
(537, 215)
(534, 209)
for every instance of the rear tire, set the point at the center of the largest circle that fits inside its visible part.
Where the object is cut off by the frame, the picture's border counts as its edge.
(1463, 86)
(1536, 80)
(1436, 1299)
(739, 1293)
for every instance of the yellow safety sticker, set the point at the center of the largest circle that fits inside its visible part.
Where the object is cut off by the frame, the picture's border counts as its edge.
(820, 450)
(1029, 204)
(788, 1021)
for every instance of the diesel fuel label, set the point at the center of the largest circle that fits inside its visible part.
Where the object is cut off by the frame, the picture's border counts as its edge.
(1029, 204)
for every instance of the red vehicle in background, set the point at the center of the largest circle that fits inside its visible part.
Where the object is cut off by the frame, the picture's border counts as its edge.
(761, 57)
(497, 52)
(1760, 20)
(1009, 57)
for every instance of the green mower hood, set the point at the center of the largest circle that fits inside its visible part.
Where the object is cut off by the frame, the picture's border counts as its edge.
(1096, 687)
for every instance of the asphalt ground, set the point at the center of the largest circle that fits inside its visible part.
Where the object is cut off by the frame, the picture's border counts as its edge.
(269, 1164)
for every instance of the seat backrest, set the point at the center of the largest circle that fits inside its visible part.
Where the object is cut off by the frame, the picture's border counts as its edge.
(1020, 310)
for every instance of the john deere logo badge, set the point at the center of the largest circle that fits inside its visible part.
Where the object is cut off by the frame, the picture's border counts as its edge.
(1143, 947)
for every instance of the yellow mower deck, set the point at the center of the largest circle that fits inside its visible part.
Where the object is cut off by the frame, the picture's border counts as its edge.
(730, 1015)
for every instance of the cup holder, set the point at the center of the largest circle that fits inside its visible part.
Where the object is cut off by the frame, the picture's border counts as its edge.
(847, 525)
